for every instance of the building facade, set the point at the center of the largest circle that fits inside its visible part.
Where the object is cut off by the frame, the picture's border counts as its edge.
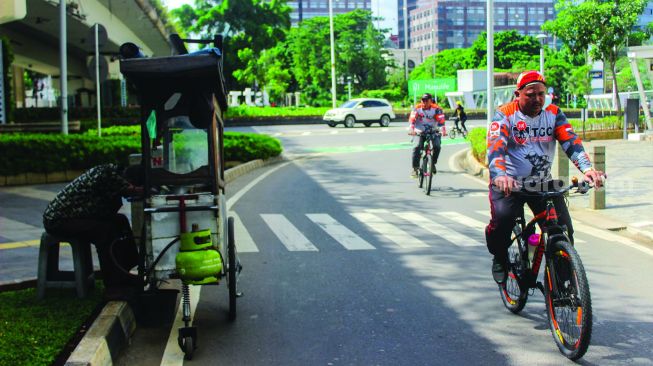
(444, 24)
(306, 9)
(410, 5)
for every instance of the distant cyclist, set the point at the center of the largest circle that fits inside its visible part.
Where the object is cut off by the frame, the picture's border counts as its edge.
(460, 115)
(521, 143)
(425, 113)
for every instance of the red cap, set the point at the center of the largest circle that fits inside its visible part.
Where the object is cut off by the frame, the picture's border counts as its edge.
(529, 77)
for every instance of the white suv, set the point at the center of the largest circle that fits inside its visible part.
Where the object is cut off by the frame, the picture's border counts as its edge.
(366, 110)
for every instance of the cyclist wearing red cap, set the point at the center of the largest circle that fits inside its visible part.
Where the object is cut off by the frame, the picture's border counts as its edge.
(521, 143)
(425, 113)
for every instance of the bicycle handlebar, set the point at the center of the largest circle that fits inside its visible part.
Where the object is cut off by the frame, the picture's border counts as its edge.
(582, 187)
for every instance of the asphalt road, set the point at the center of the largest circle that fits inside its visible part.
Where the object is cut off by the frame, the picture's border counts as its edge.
(347, 262)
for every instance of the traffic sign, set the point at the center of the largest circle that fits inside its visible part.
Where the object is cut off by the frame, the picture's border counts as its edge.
(103, 38)
(104, 68)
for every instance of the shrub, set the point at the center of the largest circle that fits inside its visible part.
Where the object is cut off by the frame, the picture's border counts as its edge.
(389, 94)
(477, 138)
(46, 153)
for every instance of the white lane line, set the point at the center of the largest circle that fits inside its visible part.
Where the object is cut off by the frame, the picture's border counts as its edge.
(349, 197)
(641, 224)
(384, 130)
(361, 131)
(607, 235)
(288, 234)
(527, 213)
(339, 232)
(306, 133)
(391, 232)
(231, 201)
(440, 230)
(172, 355)
(335, 132)
(31, 193)
(278, 134)
(244, 241)
(462, 219)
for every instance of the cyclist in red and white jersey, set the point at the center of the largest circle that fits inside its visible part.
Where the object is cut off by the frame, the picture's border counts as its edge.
(521, 143)
(425, 113)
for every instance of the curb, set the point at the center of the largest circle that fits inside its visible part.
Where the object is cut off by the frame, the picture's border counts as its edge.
(111, 331)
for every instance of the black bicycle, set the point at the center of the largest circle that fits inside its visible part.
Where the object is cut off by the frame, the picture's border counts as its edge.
(565, 289)
(455, 130)
(427, 170)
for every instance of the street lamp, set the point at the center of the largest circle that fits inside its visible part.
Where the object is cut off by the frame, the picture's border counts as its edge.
(333, 56)
(433, 49)
(541, 38)
(406, 38)
(490, 61)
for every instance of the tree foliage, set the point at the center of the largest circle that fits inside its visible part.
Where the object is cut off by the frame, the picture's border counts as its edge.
(603, 26)
(245, 24)
(359, 55)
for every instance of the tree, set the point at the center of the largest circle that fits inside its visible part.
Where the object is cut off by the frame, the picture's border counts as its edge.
(447, 63)
(600, 25)
(359, 54)
(245, 24)
(512, 51)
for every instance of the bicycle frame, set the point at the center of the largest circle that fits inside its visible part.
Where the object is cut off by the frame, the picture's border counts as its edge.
(548, 221)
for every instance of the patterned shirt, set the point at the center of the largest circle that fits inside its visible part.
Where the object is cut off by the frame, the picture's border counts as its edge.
(523, 147)
(94, 194)
(421, 116)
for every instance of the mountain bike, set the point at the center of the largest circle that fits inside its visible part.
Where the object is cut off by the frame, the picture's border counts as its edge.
(565, 289)
(427, 170)
(455, 130)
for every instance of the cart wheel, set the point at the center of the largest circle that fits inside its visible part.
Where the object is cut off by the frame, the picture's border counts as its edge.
(188, 346)
(232, 269)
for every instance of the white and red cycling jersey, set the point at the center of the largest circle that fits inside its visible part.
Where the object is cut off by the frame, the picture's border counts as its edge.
(523, 147)
(421, 116)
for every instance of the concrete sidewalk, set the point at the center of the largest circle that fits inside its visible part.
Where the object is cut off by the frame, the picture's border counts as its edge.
(629, 192)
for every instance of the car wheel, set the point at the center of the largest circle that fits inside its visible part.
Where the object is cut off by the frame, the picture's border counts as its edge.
(331, 124)
(385, 120)
(349, 121)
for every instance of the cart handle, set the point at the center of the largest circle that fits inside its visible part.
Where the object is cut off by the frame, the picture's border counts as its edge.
(176, 209)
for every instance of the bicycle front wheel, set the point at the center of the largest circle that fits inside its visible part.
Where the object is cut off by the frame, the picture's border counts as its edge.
(420, 172)
(568, 302)
(428, 174)
(513, 295)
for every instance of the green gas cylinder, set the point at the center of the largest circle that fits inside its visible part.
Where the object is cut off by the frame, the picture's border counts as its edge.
(197, 261)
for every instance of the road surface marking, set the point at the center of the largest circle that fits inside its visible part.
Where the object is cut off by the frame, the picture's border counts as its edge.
(334, 132)
(607, 235)
(529, 215)
(391, 232)
(462, 219)
(172, 355)
(278, 134)
(440, 230)
(31, 193)
(306, 133)
(244, 241)
(21, 244)
(340, 233)
(384, 130)
(231, 201)
(288, 234)
(360, 131)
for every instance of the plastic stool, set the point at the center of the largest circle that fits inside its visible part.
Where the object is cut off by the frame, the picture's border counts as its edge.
(49, 275)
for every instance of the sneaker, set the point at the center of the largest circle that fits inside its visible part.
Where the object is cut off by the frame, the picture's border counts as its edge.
(498, 270)
(413, 173)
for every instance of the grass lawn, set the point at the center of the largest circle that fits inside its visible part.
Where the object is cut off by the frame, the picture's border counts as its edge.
(35, 332)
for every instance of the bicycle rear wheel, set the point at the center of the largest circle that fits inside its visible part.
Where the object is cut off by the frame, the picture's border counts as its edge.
(514, 297)
(428, 176)
(452, 133)
(568, 302)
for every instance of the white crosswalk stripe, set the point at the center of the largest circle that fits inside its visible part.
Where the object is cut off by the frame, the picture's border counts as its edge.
(389, 231)
(340, 233)
(462, 219)
(438, 229)
(528, 215)
(288, 234)
(244, 241)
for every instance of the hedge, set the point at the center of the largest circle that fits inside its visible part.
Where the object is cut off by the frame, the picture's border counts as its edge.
(47, 153)
(477, 139)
